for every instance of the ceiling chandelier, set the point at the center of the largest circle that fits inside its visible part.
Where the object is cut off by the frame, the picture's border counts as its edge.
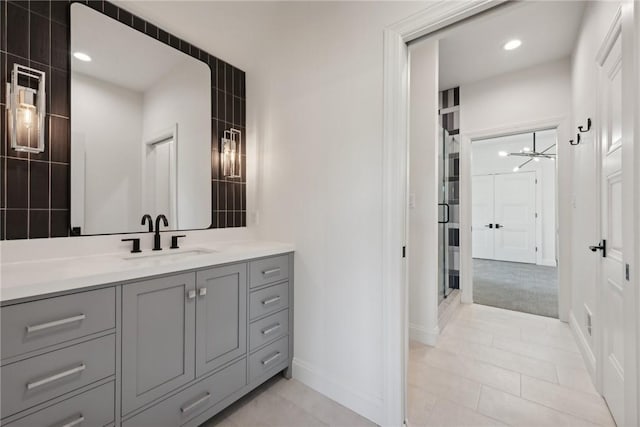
(533, 154)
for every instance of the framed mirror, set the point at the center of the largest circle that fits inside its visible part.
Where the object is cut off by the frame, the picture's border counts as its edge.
(38, 201)
(140, 129)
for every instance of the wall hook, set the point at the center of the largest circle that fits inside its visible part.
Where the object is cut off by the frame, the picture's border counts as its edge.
(577, 140)
(580, 128)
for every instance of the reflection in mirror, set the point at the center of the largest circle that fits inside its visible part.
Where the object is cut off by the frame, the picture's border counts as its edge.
(140, 129)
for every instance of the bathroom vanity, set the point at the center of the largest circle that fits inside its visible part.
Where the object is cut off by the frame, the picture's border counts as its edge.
(166, 339)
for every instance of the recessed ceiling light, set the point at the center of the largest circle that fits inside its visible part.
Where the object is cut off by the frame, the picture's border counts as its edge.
(82, 56)
(512, 44)
(503, 153)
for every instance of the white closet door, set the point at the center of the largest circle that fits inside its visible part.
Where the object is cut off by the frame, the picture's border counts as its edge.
(482, 217)
(514, 214)
(612, 266)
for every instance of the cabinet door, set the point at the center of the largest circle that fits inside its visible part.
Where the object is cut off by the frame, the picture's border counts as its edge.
(158, 320)
(221, 316)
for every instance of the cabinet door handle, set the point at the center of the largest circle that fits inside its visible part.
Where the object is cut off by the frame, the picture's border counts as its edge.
(271, 359)
(56, 377)
(75, 422)
(195, 403)
(269, 273)
(43, 326)
(271, 300)
(271, 329)
(202, 292)
(191, 294)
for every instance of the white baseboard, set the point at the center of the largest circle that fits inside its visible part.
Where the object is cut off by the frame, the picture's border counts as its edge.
(423, 335)
(368, 406)
(583, 345)
(548, 262)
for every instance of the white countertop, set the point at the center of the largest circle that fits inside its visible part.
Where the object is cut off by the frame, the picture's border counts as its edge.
(28, 279)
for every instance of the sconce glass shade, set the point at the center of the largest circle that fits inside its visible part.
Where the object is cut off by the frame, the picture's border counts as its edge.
(231, 154)
(26, 109)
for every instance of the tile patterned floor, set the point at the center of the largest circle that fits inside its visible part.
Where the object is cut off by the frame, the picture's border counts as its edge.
(494, 367)
(491, 367)
(286, 403)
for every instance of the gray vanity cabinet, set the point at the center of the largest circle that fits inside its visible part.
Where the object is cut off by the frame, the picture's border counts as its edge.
(158, 319)
(168, 350)
(221, 316)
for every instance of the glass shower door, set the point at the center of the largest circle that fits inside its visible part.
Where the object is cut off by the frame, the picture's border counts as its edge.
(448, 155)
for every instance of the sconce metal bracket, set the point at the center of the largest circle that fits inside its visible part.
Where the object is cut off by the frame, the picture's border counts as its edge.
(18, 97)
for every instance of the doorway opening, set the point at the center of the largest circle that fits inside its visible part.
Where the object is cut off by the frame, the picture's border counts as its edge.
(514, 234)
(569, 107)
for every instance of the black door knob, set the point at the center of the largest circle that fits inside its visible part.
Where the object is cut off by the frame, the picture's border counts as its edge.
(601, 247)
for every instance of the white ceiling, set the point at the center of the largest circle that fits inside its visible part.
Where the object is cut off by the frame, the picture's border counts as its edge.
(120, 54)
(472, 52)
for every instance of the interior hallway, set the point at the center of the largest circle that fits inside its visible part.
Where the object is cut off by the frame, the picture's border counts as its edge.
(497, 367)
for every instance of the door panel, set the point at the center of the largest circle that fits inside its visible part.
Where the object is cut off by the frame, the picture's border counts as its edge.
(515, 201)
(221, 316)
(482, 213)
(157, 325)
(612, 266)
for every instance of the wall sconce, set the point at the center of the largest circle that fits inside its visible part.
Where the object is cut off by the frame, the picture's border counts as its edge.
(231, 155)
(26, 107)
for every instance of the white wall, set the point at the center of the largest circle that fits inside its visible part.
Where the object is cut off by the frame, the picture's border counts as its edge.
(321, 179)
(596, 22)
(486, 161)
(111, 190)
(423, 190)
(523, 96)
(178, 98)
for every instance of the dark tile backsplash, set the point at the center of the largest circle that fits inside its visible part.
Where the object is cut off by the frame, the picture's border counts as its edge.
(34, 188)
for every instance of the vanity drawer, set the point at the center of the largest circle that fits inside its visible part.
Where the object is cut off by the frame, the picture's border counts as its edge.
(38, 324)
(185, 405)
(267, 329)
(268, 300)
(38, 379)
(92, 408)
(268, 270)
(264, 360)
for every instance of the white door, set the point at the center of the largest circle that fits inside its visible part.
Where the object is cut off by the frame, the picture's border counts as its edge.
(611, 262)
(514, 216)
(159, 183)
(482, 218)
(503, 212)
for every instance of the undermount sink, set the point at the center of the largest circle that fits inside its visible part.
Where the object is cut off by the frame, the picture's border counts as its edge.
(169, 254)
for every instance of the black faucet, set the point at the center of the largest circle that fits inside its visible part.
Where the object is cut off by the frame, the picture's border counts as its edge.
(147, 218)
(156, 237)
